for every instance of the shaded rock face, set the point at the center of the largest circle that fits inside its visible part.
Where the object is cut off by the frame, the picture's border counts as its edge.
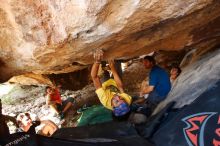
(71, 81)
(48, 36)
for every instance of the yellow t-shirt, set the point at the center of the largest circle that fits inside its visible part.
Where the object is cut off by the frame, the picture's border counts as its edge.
(105, 95)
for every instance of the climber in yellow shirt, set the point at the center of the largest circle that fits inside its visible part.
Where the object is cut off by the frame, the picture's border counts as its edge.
(111, 93)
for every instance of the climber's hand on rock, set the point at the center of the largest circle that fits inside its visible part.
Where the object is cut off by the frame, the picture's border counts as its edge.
(98, 55)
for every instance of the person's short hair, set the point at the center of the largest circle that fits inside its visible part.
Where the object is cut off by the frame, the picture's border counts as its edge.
(151, 59)
(48, 87)
(178, 69)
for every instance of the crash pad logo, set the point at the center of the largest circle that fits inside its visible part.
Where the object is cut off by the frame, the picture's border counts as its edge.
(194, 132)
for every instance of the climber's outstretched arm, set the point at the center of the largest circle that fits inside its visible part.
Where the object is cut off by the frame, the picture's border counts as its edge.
(98, 56)
(116, 76)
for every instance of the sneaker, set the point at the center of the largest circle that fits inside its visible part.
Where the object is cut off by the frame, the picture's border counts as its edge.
(61, 116)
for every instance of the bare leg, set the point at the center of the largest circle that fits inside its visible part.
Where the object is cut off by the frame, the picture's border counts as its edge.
(49, 128)
(47, 131)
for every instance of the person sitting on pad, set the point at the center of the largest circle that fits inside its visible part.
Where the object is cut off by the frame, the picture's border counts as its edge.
(111, 93)
(55, 102)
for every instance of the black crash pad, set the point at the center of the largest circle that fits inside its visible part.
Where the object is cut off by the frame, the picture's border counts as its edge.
(198, 124)
(105, 130)
(106, 134)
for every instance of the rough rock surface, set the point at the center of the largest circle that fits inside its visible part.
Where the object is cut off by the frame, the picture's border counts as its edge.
(133, 77)
(48, 36)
